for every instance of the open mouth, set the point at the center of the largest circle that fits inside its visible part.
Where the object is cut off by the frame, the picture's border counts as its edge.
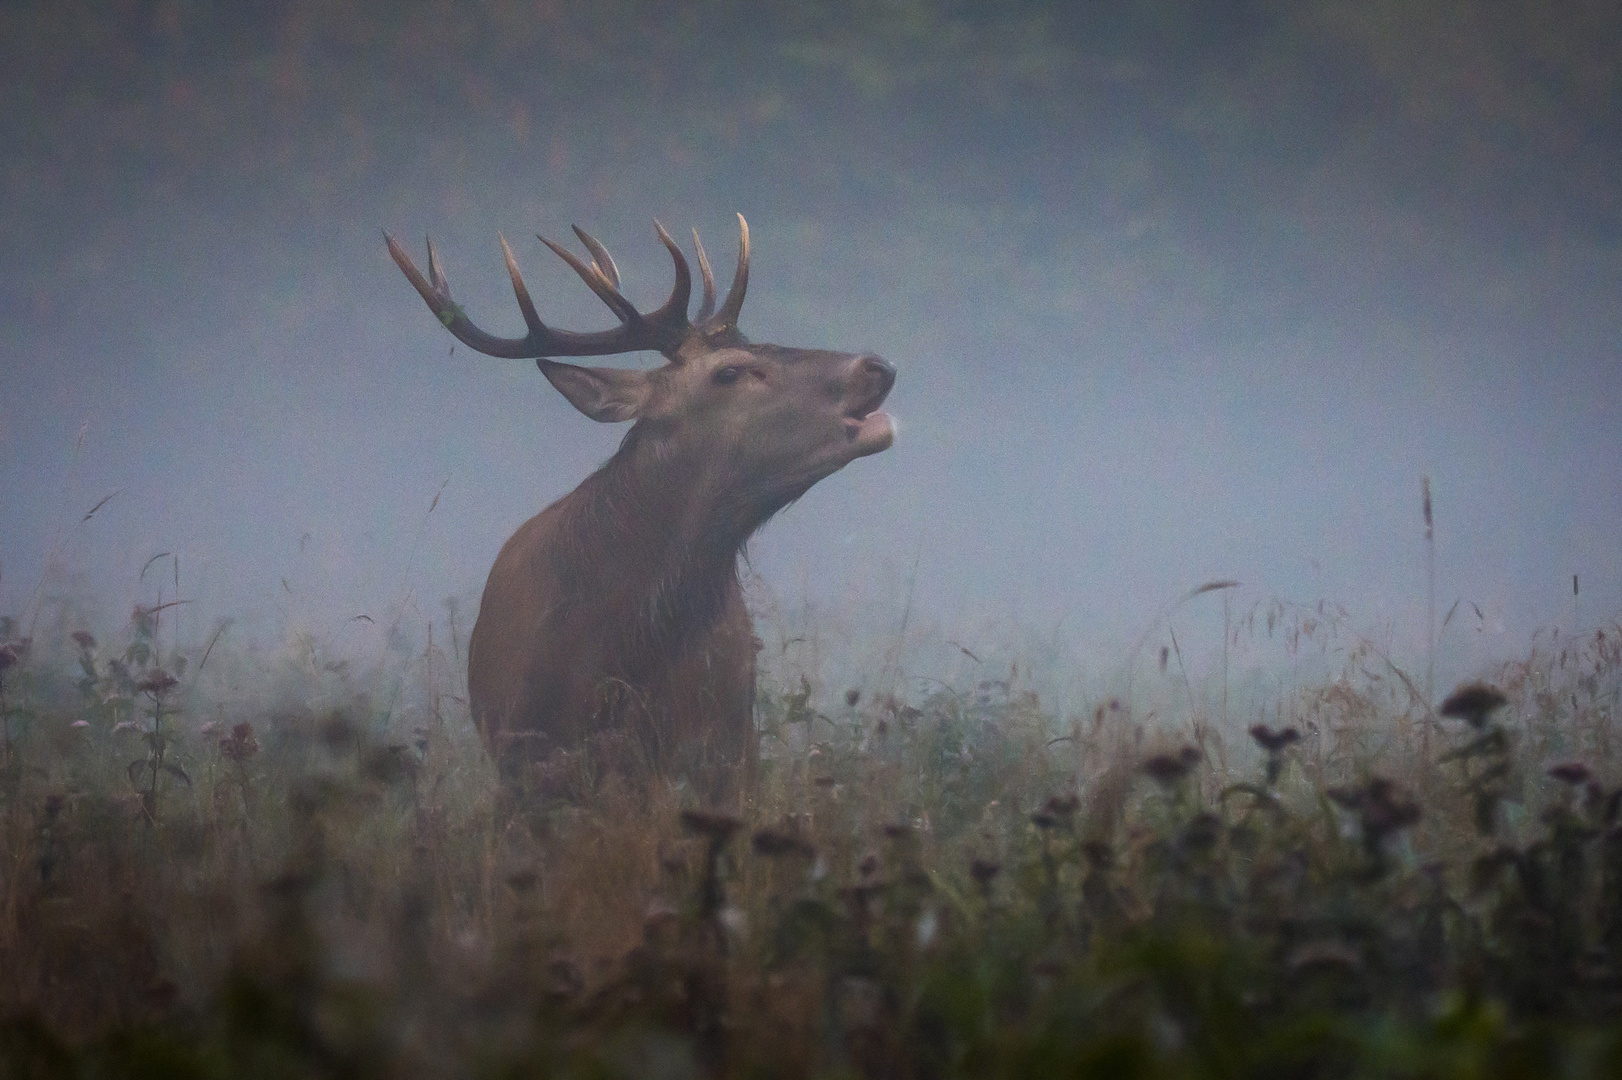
(866, 425)
(870, 426)
(870, 429)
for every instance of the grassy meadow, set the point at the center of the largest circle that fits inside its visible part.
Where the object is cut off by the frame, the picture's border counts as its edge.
(220, 860)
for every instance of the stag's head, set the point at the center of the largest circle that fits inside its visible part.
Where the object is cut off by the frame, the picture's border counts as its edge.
(765, 421)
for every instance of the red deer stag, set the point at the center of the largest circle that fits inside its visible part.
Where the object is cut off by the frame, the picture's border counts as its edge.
(614, 619)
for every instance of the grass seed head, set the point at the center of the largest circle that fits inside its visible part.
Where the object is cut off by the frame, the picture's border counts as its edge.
(1473, 703)
(1168, 769)
(1572, 773)
(143, 618)
(1381, 806)
(1274, 741)
(157, 683)
(716, 826)
(240, 745)
(1201, 835)
(777, 845)
(1063, 806)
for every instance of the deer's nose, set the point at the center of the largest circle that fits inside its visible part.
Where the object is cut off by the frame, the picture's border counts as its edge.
(879, 371)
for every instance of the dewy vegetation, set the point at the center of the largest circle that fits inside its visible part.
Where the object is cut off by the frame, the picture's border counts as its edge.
(218, 862)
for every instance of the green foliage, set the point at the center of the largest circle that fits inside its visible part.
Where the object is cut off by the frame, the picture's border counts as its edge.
(959, 884)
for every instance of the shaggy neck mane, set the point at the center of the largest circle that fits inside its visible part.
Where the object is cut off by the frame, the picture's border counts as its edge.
(652, 539)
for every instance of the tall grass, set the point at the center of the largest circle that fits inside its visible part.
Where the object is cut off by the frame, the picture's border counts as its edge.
(317, 875)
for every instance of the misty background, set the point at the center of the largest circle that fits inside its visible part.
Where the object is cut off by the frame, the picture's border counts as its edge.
(1177, 292)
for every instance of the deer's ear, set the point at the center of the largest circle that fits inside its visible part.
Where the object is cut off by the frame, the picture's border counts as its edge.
(608, 395)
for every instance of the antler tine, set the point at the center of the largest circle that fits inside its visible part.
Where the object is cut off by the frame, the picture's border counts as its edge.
(728, 315)
(598, 283)
(436, 294)
(706, 307)
(525, 304)
(671, 316)
(662, 330)
(436, 276)
(438, 299)
(599, 256)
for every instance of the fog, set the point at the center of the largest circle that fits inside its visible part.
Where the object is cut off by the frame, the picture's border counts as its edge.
(1174, 296)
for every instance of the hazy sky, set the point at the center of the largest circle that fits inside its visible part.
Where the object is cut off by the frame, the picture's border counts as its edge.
(1176, 292)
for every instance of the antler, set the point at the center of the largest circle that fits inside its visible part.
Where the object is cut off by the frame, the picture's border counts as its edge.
(728, 315)
(662, 330)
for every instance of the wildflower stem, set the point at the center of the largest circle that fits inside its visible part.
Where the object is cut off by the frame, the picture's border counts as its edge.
(1430, 628)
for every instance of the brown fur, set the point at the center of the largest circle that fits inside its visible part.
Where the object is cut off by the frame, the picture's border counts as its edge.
(613, 635)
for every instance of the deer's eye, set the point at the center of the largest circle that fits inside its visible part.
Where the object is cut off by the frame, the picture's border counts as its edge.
(726, 376)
